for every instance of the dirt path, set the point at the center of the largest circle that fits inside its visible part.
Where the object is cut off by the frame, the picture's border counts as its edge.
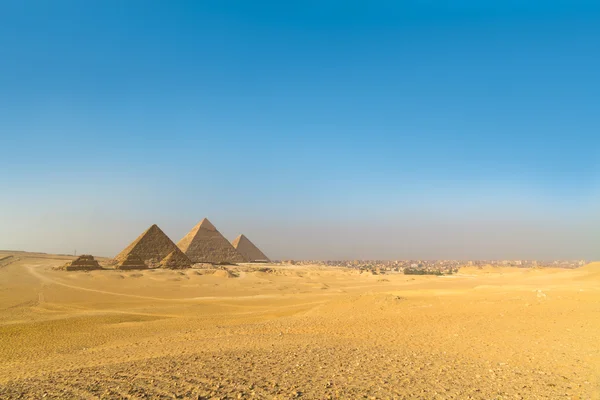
(36, 274)
(32, 271)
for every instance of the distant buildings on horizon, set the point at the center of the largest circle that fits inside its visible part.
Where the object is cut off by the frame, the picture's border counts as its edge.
(436, 265)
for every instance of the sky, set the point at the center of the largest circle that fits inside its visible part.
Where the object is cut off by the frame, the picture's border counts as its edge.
(319, 129)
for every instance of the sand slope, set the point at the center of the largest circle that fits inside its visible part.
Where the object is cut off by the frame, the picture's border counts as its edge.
(298, 332)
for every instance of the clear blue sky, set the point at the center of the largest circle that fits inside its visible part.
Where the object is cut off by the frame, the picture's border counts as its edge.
(320, 129)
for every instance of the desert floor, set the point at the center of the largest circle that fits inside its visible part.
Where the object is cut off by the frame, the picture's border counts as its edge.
(297, 332)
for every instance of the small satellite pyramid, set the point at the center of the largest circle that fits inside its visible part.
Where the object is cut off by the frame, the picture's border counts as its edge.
(248, 250)
(151, 247)
(176, 260)
(205, 244)
(82, 263)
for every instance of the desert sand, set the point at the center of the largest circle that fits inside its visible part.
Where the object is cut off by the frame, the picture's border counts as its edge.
(296, 332)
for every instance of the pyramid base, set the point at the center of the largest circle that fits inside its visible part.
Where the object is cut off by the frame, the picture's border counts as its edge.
(130, 267)
(80, 268)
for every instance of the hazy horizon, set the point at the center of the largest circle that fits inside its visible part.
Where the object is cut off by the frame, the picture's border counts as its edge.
(320, 131)
(418, 238)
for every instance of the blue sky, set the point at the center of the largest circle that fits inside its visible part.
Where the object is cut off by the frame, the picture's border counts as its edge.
(437, 129)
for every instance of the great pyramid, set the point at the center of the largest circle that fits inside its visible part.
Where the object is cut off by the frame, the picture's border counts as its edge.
(131, 261)
(151, 247)
(82, 263)
(248, 250)
(176, 260)
(204, 243)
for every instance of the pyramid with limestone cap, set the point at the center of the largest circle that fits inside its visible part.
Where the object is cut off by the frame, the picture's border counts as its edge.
(151, 246)
(204, 243)
(248, 250)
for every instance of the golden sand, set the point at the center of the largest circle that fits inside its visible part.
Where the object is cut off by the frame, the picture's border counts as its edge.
(297, 332)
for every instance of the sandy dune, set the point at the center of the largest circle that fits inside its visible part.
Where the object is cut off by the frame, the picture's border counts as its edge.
(297, 332)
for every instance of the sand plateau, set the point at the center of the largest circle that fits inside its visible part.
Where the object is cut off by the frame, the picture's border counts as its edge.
(248, 250)
(205, 244)
(309, 332)
(151, 246)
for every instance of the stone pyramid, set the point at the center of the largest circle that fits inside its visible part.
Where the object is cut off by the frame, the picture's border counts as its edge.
(204, 243)
(151, 246)
(131, 261)
(248, 250)
(82, 263)
(176, 260)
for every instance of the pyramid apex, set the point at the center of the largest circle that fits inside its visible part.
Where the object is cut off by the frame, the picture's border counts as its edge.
(206, 224)
(152, 227)
(235, 242)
